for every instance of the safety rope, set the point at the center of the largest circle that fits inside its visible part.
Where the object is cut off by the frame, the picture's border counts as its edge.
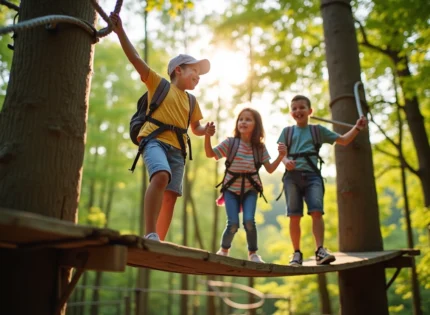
(52, 20)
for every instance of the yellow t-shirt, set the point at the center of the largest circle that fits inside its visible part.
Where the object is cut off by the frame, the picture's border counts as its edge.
(172, 111)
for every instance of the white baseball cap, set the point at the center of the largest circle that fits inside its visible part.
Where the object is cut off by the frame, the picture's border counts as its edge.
(183, 59)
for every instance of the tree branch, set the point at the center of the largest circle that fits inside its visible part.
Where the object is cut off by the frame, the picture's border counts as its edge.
(10, 5)
(366, 40)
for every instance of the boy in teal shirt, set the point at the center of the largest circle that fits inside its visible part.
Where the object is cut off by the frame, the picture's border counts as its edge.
(303, 181)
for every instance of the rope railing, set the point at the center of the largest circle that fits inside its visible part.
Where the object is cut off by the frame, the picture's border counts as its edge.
(213, 285)
(52, 20)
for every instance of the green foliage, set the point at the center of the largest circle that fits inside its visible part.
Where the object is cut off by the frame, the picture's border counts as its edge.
(6, 18)
(284, 42)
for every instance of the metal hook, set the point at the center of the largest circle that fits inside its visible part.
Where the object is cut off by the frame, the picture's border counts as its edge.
(357, 103)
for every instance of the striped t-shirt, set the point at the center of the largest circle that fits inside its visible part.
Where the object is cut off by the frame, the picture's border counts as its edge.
(243, 162)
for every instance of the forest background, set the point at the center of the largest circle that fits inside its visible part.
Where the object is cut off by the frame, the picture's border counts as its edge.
(262, 53)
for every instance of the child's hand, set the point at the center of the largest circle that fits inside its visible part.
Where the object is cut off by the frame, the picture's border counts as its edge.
(361, 123)
(282, 149)
(210, 129)
(290, 165)
(116, 22)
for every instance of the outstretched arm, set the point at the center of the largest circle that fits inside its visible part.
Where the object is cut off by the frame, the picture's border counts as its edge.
(128, 48)
(271, 167)
(200, 130)
(208, 145)
(346, 138)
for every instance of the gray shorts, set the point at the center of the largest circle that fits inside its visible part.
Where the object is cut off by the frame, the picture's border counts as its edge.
(159, 156)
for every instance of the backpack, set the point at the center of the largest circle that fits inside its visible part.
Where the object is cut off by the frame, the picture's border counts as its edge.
(233, 146)
(316, 139)
(142, 115)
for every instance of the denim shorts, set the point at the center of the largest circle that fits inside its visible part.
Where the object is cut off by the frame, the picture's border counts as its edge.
(159, 156)
(307, 186)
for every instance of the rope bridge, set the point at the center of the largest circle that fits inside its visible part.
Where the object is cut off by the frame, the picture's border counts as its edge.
(89, 248)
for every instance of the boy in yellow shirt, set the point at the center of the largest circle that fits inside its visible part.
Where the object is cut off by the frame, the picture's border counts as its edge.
(164, 154)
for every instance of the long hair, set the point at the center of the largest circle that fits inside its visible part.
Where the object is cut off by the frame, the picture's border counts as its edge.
(257, 137)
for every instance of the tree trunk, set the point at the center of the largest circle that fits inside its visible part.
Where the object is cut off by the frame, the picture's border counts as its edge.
(416, 125)
(42, 140)
(362, 291)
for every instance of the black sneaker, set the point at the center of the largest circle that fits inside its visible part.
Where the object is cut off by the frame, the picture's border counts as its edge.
(297, 259)
(323, 257)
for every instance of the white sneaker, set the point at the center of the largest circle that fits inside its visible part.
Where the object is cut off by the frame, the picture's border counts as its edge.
(221, 252)
(153, 237)
(255, 258)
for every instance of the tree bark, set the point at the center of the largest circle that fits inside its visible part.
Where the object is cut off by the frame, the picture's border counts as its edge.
(362, 291)
(42, 140)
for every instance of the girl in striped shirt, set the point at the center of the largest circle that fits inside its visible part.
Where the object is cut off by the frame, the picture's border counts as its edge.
(241, 183)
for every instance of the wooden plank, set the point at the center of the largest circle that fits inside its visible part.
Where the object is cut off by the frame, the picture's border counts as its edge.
(400, 262)
(100, 258)
(175, 258)
(23, 230)
(20, 227)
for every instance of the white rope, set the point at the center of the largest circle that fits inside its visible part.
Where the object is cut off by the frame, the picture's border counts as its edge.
(215, 284)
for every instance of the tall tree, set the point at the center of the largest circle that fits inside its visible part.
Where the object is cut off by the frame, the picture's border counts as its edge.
(401, 37)
(357, 199)
(42, 138)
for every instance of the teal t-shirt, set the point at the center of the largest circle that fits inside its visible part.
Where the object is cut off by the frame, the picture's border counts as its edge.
(302, 142)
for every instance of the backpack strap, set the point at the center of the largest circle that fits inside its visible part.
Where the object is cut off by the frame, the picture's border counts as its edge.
(159, 96)
(257, 152)
(192, 101)
(258, 162)
(288, 134)
(316, 137)
(233, 146)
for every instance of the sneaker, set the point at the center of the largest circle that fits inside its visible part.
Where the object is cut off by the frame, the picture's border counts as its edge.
(255, 258)
(221, 252)
(297, 259)
(153, 237)
(323, 257)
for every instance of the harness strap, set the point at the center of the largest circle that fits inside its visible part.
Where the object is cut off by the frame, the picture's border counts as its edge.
(248, 176)
(162, 127)
(306, 156)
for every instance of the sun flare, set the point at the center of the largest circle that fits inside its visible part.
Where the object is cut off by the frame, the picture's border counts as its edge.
(229, 67)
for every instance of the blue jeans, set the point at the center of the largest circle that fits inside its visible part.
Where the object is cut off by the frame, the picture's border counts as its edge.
(307, 186)
(232, 207)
